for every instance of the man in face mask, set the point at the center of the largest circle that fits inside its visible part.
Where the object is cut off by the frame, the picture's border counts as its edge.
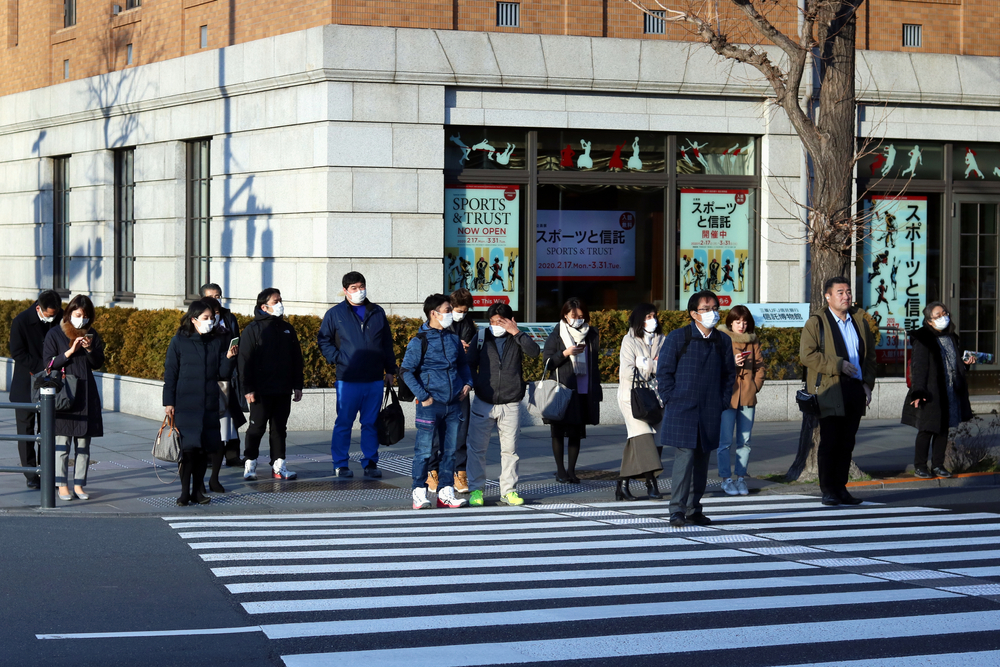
(694, 378)
(27, 334)
(226, 324)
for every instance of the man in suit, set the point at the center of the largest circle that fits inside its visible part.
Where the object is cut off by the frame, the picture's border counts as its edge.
(839, 347)
(27, 334)
(694, 378)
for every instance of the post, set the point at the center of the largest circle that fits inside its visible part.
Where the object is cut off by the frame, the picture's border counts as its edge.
(47, 438)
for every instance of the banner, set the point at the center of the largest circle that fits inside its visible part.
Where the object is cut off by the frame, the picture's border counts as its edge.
(481, 242)
(585, 245)
(786, 315)
(895, 277)
(715, 244)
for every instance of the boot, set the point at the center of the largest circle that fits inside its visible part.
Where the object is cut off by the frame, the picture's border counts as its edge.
(232, 452)
(184, 471)
(213, 482)
(198, 467)
(621, 490)
(432, 481)
(652, 487)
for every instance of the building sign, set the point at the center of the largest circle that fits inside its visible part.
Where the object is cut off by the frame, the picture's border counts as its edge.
(895, 277)
(786, 315)
(715, 244)
(481, 242)
(585, 245)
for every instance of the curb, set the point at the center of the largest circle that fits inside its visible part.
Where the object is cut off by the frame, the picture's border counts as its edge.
(959, 480)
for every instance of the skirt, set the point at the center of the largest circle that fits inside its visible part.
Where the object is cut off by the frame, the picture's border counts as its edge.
(562, 430)
(640, 457)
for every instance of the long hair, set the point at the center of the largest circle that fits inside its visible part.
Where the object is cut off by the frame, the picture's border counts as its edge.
(194, 312)
(80, 302)
(637, 320)
(741, 313)
(575, 303)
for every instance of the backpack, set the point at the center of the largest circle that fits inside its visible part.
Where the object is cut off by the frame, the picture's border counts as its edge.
(405, 393)
(687, 341)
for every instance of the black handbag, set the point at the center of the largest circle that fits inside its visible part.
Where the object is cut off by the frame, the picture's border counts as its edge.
(809, 403)
(645, 404)
(65, 386)
(390, 423)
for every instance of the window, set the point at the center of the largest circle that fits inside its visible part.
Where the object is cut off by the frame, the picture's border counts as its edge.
(69, 13)
(508, 15)
(65, 69)
(128, 54)
(198, 220)
(124, 222)
(203, 37)
(12, 9)
(60, 224)
(132, 4)
(653, 23)
(912, 35)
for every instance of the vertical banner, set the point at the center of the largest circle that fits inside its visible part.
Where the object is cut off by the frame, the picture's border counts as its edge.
(481, 242)
(895, 279)
(715, 245)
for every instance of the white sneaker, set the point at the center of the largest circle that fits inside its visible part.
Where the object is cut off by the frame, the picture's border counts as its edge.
(447, 498)
(250, 470)
(420, 501)
(741, 486)
(281, 472)
(729, 487)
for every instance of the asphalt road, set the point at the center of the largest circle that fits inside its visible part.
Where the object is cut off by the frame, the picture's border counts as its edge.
(911, 578)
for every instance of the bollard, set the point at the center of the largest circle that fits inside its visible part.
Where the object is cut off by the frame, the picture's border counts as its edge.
(47, 439)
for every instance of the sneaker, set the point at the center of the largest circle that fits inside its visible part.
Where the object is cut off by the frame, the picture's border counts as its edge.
(940, 471)
(741, 486)
(922, 473)
(729, 487)
(447, 498)
(373, 472)
(461, 482)
(281, 472)
(420, 501)
(432, 481)
(476, 499)
(512, 499)
(250, 470)
(343, 472)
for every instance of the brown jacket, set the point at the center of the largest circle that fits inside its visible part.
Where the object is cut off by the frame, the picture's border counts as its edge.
(749, 377)
(826, 361)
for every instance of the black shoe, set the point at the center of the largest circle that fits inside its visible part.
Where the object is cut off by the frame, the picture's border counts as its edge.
(698, 519)
(622, 492)
(830, 500)
(373, 472)
(215, 486)
(847, 499)
(653, 491)
(572, 478)
(343, 472)
(34, 483)
(677, 520)
(182, 501)
(939, 471)
(922, 473)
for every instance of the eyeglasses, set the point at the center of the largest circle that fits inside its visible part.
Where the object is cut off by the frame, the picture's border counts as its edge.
(708, 310)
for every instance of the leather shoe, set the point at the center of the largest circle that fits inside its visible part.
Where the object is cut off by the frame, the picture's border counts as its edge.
(34, 483)
(922, 473)
(677, 520)
(830, 500)
(939, 471)
(847, 499)
(698, 519)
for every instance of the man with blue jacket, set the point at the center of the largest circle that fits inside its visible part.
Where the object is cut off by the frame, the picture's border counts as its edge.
(355, 336)
(436, 371)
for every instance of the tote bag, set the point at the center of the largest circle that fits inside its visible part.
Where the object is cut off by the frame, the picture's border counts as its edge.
(645, 404)
(390, 423)
(547, 398)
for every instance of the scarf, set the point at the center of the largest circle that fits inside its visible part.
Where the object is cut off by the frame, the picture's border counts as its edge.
(572, 337)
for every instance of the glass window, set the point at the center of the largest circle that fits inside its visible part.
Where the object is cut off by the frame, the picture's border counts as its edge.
(975, 162)
(594, 150)
(484, 148)
(901, 160)
(198, 220)
(716, 154)
(124, 222)
(69, 13)
(60, 224)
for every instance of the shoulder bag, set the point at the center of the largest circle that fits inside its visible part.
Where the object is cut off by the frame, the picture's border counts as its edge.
(548, 398)
(390, 423)
(809, 403)
(645, 403)
(65, 386)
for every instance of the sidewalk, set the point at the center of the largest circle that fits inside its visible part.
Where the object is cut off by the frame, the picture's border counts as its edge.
(122, 480)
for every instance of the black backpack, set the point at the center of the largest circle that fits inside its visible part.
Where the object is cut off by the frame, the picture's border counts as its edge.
(405, 393)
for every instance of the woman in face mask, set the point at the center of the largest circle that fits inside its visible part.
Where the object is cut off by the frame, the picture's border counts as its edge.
(572, 352)
(76, 349)
(640, 351)
(939, 397)
(196, 361)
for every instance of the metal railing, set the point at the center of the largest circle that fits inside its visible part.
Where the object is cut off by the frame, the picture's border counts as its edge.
(46, 470)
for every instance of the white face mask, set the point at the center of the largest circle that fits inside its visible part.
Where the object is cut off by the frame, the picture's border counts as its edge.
(47, 320)
(650, 326)
(278, 309)
(204, 326)
(497, 330)
(459, 316)
(446, 319)
(710, 319)
(79, 322)
(941, 323)
(576, 324)
(357, 298)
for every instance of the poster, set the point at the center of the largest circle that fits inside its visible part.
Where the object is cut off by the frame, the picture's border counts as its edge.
(585, 245)
(715, 244)
(895, 275)
(481, 242)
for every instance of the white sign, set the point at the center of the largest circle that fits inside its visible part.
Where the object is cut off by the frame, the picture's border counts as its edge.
(779, 314)
(584, 245)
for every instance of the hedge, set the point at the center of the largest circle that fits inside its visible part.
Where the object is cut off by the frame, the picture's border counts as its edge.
(136, 341)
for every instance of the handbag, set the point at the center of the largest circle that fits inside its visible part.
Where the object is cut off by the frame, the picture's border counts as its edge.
(390, 423)
(65, 386)
(167, 445)
(548, 398)
(645, 403)
(809, 403)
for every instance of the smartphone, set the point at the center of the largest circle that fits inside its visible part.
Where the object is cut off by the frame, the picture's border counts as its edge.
(235, 341)
(89, 336)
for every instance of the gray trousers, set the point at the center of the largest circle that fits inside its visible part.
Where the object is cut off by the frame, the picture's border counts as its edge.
(689, 479)
(483, 417)
(62, 459)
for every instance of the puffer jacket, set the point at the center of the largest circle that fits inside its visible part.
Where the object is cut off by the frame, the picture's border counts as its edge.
(444, 369)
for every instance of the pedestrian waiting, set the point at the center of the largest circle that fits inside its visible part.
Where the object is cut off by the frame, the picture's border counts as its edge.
(226, 324)
(741, 329)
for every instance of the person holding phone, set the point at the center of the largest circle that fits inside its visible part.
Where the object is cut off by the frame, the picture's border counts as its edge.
(939, 397)
(76, 349)
(741, 329)
(571, 352)
(226, 324)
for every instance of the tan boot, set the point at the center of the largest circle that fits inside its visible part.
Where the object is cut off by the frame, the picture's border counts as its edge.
(461, 482)
(432, 481)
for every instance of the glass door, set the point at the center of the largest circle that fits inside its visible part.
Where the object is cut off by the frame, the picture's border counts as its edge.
(977, 247)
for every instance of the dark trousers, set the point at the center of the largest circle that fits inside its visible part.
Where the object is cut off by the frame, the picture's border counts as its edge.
(268, 412)
(461, 448)
(689, 478)
(836, 439)
(25, 421)
(925, 441)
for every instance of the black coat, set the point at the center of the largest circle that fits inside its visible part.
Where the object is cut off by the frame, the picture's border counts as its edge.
(553, 356)
(27, 335)
(929, 382)
(191, 375)
(84, 419)
(270, 359)
(499, 380)
(229, 329)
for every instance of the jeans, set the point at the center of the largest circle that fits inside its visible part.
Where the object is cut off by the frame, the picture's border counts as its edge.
(742, 419)
(461, 449)
(442, 419)
(507, 418)
(79, 466)
(354, 398)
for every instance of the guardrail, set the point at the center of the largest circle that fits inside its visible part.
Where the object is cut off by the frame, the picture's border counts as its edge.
(46, 470)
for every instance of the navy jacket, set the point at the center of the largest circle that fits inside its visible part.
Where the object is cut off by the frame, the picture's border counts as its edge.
(695, 388)
(84, 419)
(362, 350)
(444, 370)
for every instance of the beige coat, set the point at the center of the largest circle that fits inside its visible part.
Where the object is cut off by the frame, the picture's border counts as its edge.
(636, 354)
(749, 377)
(826, 361)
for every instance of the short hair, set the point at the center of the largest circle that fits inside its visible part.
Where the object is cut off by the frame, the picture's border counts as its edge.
(461, 297)
(929, 308)
(266, 294)
(836, 280)
(741, 313)
(194, 311)
(433, 302)
(212, 303)
(49, 300)
(76, 303)
(501, 309)
(575, 303)
(698, 297)
(209, 286)
(637, 320)
(352, 277)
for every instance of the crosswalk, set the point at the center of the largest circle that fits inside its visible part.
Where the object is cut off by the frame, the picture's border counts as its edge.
(775, 580)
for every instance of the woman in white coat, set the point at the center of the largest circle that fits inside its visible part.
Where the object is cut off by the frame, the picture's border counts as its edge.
(640, 350)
